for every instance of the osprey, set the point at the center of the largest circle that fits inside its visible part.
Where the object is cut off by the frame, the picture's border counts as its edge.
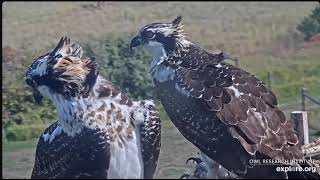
(226, 112)
(101, 132)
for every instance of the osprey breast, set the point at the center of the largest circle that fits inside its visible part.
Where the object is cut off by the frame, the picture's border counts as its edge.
(126, 161)
(161, 73)
(158, 71)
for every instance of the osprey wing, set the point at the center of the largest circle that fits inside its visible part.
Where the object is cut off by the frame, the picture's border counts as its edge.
(150, 132)
(86, 155)
(241, 101)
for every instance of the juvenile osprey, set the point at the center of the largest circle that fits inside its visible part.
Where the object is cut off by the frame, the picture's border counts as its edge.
(101, 132)
(226, 112)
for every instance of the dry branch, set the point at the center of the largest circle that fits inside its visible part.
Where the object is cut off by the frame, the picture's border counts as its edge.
(312, 151)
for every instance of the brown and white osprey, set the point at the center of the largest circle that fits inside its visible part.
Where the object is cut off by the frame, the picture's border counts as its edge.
(101, 132)
(226, 112)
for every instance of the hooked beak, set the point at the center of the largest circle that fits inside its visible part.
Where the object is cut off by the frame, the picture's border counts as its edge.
(136, 41)
(37, 96)
(35, 92)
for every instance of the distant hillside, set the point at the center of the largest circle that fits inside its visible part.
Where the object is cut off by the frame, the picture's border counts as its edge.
(261, 34)
(239, 27)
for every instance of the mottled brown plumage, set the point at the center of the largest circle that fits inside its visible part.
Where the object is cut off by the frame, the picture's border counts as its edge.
(226, 112)
(101, 132)
(254, 112)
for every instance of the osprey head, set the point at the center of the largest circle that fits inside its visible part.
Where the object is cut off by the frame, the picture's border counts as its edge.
(62, 72)
(161, 36)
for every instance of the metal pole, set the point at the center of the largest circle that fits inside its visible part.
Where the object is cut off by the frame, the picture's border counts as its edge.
(312, 99)
(300, 121)
(269, 80)
(303, 104)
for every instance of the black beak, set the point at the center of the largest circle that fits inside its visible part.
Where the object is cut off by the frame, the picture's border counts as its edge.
(136, 41)
(36, 94)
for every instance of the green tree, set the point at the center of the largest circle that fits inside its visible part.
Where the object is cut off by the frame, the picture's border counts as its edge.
(18, 106)
(127, 69)
(311, 24)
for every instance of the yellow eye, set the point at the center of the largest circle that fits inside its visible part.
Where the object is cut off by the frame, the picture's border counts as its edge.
(150, 34)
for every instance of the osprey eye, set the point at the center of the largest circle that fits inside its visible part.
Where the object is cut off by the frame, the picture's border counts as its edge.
(150, 34)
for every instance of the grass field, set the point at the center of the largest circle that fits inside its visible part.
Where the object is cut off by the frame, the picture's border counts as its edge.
(261, 34)
(242, 27)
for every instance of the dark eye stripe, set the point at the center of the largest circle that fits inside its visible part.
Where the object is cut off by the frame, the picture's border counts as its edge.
(68, 59)
(37, 61)
(57, 56)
